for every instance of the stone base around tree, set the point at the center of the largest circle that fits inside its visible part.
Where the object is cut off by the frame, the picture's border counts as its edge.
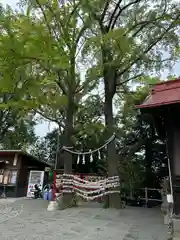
(166, 219)
(176, 228)
(53, 206)
(164, 210)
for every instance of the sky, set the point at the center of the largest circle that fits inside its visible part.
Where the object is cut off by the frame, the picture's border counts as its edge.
(45, 127)
(12, 3)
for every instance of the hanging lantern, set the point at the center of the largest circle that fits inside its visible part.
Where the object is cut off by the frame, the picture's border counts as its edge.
(83, 159)
(78, 159)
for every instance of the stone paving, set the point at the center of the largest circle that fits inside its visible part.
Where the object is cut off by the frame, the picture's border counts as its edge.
(29, 220)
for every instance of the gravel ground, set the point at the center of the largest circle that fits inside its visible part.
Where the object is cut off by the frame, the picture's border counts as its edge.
(28, 220)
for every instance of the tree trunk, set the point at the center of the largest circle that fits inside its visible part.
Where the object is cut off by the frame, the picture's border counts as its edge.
(68, 197)
(112, 158)
(109, 74)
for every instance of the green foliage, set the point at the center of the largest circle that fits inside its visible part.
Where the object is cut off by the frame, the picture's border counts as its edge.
(142, 153)
(46, 148)
(40, 52)
(40, 150)
(20, 136)
(38, 58)
(88, 134)
(15, 132)
(130, 37)
(44, 46)
(127, 41)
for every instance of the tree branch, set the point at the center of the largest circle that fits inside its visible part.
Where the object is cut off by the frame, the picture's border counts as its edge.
(114, 12)
(158, 39)
(75, 6)
(60, 84)
(45, 18)
(121, 10)
(82, 30)
(60, 27)
(95, 16)
(104, 11)
(46, 117)
(129, 79)
(144, 23)
(49, 69)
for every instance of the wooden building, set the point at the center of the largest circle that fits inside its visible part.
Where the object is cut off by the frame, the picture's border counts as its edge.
(163, 104)
(15, 166)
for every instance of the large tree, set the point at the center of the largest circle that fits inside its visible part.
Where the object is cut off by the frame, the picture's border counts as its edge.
(41, 53)
(128, 39)
(40, 46)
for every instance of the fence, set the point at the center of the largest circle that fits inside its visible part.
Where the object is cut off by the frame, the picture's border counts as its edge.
(149, 197)
(152, 199)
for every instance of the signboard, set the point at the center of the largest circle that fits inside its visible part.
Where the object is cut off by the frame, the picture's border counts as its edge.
(13, 177)
(35, 177)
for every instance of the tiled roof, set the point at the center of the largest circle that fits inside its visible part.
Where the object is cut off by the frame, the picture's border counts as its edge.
(164, 93)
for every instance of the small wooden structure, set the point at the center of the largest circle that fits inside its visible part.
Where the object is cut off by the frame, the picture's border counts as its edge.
(15, 166)
(163, 104)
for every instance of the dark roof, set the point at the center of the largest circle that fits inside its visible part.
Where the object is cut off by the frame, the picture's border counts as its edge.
(23, 153)
(164, 93)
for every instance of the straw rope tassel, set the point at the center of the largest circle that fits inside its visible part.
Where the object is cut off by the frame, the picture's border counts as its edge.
(99, 155)
(83, 159)
(91, 158)
(78, 159)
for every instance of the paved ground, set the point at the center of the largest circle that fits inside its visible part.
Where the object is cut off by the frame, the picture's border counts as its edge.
(29, 220)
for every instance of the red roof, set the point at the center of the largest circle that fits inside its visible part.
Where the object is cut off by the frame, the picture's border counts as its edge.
(164, 93)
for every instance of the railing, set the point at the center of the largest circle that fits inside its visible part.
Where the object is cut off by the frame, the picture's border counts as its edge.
(146, 198)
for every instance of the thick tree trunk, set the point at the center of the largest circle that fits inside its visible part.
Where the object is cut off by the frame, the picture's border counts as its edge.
(68, 197)
(109, 74)
(112, 158)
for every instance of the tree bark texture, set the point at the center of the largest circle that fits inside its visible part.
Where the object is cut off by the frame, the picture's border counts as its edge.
(114, 200)
(68, 197)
